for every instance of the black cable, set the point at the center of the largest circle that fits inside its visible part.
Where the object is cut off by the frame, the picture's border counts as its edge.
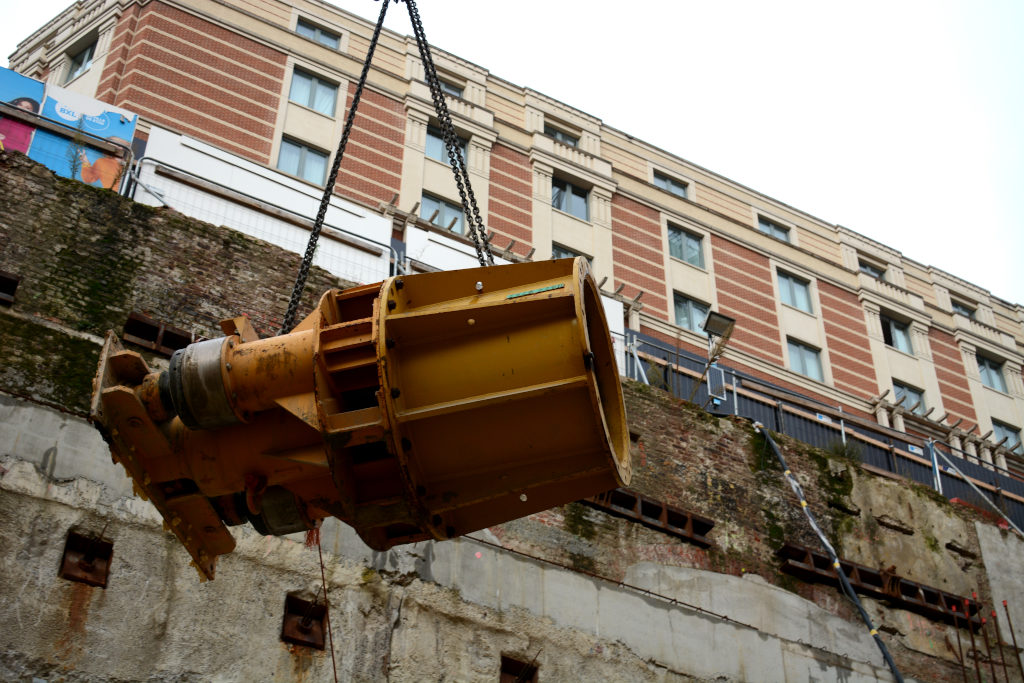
(843, 581)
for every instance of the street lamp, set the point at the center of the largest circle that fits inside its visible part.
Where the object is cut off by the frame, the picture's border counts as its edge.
(718, 329)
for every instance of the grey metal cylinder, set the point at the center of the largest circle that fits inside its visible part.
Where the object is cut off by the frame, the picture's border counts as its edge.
(197, 386)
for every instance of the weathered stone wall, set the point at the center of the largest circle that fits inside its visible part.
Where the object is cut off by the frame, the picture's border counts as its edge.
(88, 257)
(447, 611)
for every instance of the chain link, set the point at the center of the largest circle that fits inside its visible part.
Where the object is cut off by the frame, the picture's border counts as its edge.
(474, 222)
(318, 224)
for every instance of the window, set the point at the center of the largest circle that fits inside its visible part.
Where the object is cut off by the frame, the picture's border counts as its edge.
(1011, 434)
(805, 359)
(689, 313)
(963, 309)
(302, 161)
(676, 187)
(558, 251)
(515, 671)
(320, 35)
(310, 91)
(561, 136)
(685, 246)
(435, 145)
(567, 197)
(772, 228)
(446, 213)
(991, 372)
(913, 399)
(795, 292)
(81, 62)
(872, 270)
(896, 334)
(450, 88)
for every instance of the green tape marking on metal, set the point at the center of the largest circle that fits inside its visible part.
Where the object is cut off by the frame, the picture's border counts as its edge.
(534, 291)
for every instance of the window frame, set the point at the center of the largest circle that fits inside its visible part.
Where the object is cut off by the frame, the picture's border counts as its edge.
(566, 252)
(960, 308)
(664, 181)
(803, 352)
(444, 208)
(316, 81)
(435, 133)
(686, 237)
(692, 306)
(318, 33)
(871, 269)
(913, 394)
(769, 226)
(993, 368)
(890, 326)
(304, 151)
(1001, 429)
(563, 136)
(570, 189)
(85, 65)
(788, 283)
(449, 87)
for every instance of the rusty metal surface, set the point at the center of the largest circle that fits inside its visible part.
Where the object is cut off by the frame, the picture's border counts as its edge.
(86, 559)
(812, 565)
(655, 514)
(303, 622)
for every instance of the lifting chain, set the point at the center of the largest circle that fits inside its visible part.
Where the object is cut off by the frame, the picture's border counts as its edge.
(474, 223)
(318, 224)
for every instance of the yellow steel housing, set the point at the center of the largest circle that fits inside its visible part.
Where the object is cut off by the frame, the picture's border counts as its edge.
(425, 406)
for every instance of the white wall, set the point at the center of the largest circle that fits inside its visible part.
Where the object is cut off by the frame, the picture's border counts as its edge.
(217, 166)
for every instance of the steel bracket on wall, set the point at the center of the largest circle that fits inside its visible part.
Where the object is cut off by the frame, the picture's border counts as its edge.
(303, 622)
(86, 559)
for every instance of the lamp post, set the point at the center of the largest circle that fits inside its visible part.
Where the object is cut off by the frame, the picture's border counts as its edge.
(718, 329)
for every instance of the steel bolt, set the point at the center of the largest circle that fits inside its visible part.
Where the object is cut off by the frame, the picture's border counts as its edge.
(228, 366)
(479, 286)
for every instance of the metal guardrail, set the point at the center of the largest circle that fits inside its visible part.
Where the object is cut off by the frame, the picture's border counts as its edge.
(818, 424)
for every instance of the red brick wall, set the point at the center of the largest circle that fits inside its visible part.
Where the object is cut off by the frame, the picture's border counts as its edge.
(846, 333)
(637, 254)
(371, 171)
(117, 56)
(510, 202)
(949, 368)
(193, 76)
(744, 282)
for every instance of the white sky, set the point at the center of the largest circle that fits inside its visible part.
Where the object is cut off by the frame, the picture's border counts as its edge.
(901, 120)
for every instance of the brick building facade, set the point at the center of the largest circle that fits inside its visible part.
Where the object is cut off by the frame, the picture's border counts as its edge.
(820, 310)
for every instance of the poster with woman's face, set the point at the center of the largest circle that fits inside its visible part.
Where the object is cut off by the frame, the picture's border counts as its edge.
(20, 92)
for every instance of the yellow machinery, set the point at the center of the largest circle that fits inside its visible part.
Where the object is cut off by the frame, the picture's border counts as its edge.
(424, 407)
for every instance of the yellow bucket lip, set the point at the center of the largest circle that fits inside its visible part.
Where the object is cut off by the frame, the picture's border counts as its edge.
(616, 431)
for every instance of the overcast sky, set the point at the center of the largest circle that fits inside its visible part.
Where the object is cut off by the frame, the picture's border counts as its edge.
(902, 120)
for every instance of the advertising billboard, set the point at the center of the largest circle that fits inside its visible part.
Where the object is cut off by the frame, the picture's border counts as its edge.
(68, 148)
(86, 119)
(26, 94)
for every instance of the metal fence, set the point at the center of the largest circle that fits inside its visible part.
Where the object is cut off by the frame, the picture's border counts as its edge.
(818, 424)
